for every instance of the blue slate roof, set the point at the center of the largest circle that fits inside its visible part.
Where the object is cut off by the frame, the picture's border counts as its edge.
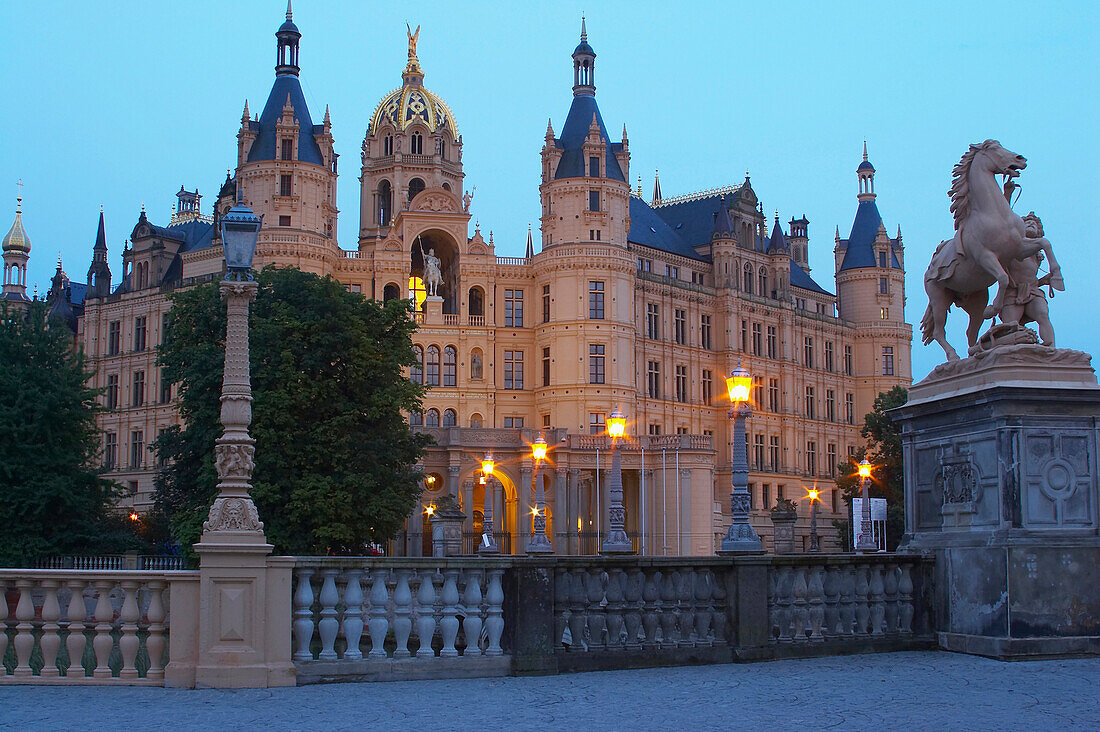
(801, 278)
(77, 291)
(263, 147)
(648, 229)
(865, 165)
(14, 296)
(693, 221)
(777, 241)
(859, 246)
(573, 135)
(195, 234)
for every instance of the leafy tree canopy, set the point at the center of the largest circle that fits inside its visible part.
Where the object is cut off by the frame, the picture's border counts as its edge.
(52, 498)
(884, 452)
(334, 456)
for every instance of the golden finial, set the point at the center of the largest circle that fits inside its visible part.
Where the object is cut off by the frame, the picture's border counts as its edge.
(19, 197)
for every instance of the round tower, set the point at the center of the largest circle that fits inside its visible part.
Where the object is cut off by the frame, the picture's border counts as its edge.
(17, 250)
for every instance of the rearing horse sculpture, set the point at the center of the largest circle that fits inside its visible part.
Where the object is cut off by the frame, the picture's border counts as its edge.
(988, 236)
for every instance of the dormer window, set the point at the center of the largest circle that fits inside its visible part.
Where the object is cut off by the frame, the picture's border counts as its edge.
(594, 167)
(286, 149)
(387, 145)
(882, 258)
(416, 145)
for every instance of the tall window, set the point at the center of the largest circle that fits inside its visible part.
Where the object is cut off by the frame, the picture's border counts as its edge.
(680, 326)
(810, 402)
(773, 395)
(672, 272)
(110, 450)
(595, 363)
(450, 418)
(653, 321)
(849, 409)
(811, 457)
(757, 391)
(762, 276)
(744, 335)
(431, 419)
(286, 149)
(416, 143)
(450, 366)
(138, 392)
(773, 452)
(139, 333)
(847, 360)
(416, 419)
(112, 391)
(114, 337)
(513, 308)
(704, 331)
(415, 186)
(165, 319)
(808, 352)
(708, 386)
(830, 405)
(757, 340)
(830, 460)
(165, 388)
(416, 373)
(595, 300)
(593, 200)
(653, 379)
(758, 452)
(772, 342)
(882, 286)
(594, 167)
(747, 283)
(681, 383)
(546, 366)
(513, 369)
(546, 303)
(882, 258)
(431, 372)
(595, 423)
(829, 356)
(284, 185)
(887, 360)
(137, 448)
(387, 145)
(385, 197)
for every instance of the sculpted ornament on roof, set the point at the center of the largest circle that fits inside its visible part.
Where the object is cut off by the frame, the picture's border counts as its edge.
(407, 105)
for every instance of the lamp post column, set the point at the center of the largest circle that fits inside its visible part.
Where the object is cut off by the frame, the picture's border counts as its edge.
(488, 541)
(740, 537)
(540, 543)
(815, 540)
(866, 543)
(616, 541)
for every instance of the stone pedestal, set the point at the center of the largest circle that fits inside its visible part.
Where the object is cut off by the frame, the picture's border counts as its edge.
(447, 523)
(1002, 486)
(784, 515)
(433, 309)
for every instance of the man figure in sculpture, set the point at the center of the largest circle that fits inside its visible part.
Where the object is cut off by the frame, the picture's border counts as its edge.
(433, 273)
(1025, 301)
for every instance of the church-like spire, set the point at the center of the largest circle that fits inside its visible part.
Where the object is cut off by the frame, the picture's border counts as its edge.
(656, 187)
(530, 243)
(17, 249)
(287, 43)
(584, 62)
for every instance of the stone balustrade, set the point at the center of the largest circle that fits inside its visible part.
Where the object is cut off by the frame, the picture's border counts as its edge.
(366, 618)
(88, 627)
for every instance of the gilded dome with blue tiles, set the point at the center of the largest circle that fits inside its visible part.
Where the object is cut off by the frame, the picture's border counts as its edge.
(411, 104)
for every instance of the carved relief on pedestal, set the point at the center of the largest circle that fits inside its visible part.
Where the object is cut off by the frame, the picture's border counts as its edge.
(233, 514)
(958, 480)
(234, 460)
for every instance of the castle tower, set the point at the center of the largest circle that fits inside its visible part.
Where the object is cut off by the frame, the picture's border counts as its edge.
(800, 241)
(17, 250)
(870, 280)
(287, 169)
(99, 273)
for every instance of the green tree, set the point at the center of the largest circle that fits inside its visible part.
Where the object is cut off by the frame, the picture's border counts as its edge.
(52, 498)
(884, 452)
(334, 455)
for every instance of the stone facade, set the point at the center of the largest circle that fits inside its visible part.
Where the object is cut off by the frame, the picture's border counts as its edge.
(636, 305)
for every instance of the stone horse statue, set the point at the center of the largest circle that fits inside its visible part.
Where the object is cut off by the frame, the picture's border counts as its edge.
(988, 238)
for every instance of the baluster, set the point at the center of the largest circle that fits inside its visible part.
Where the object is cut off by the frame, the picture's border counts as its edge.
(328, 625)
(650, 597)
(128, 643)
(615, 609)
(471, 621)
(685, 598)
(863, 612)
(775, 612)
(75, 641)
(578, 616)
(597, 618)
(155, 642)
(24, 641)
(303, 616)
(495, 623)
(379, 623)
(667, 611)
(783, 588)
(425, 614)
(905, 599)
(353, 615)
(633, 617)
(878, 608)
(847, 601)
(704, 582)
(402, 614)
(720, 605)
(51, 638)
(3, 625)
(831, 590)
(800, 610)
(102, 643)
(448, 625)
(815, 592)
(890, 585)
(561, 608)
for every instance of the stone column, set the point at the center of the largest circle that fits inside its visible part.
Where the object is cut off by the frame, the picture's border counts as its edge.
(605, 501)
(687, 539)
(523, 508)
(452, 481)
(468, 505)
(244, 596)
(574, 510)
(560, 521)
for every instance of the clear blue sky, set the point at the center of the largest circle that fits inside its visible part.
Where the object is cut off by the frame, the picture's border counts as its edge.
(116, 103)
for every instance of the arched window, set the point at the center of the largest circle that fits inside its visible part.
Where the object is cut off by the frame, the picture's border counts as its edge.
(442, 148)
(475, 420)
(450, 418)
(447, 186)
(747, 286)
(477, 301)
(432, 367)
(763, 276)
(387, 145)
(415, 186)
(476, 365)
(450, 359)
(416, 144)
(385, 203)
(432, 418)
(416, 419)
(391, 292)
(416, 373)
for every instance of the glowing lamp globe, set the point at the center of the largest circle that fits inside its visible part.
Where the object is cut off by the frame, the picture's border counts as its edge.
(616, 425)
(739, 384)
(538, 450)
(813, 494)
(487, 464)
(865, 469)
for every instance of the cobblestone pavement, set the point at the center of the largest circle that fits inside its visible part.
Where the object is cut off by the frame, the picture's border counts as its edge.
(940, 691)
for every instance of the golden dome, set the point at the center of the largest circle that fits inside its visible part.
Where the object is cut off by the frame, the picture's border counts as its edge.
(411, 104)
(16, 240)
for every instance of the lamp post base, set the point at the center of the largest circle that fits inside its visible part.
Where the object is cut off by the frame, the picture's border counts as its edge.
(539, 544)
(488, 545)
(617, 542)
(741, 541)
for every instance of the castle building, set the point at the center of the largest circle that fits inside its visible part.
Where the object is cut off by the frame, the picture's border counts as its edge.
(641, 306)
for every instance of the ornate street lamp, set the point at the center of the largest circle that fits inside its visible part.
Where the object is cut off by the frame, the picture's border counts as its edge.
(617, 542)
(865, 543)
(540, 543)
(740, 537)
(815, 498)
(233, 509)
(488, 542)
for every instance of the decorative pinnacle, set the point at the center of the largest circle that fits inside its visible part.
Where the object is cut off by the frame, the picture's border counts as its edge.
(289, 11)
(584, 30)
(865, 150)
(19, 197)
